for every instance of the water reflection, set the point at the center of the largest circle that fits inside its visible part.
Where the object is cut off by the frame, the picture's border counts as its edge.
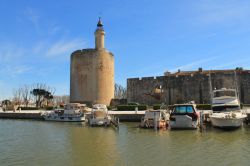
(42, 143)
(95, 146)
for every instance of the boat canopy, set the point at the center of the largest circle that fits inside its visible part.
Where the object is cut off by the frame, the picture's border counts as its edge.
(182, 109)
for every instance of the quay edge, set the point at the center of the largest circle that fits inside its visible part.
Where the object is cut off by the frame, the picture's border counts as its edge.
(36, 115)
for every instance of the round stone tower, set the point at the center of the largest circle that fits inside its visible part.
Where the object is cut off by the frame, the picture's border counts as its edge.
(92, 73)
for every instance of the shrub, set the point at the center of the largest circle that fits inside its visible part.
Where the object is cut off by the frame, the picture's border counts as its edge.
(133, 103)
(245, 105)
(49, 108)
(131, 107)
(27, 108)
(203, 106)
(156, 106)
(110, 107)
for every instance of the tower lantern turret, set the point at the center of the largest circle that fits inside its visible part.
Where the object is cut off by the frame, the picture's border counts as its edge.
(99, 36)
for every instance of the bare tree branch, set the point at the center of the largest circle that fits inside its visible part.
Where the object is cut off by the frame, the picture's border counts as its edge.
(120, 92)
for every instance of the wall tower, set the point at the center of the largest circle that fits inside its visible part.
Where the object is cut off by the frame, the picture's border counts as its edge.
(92, 72)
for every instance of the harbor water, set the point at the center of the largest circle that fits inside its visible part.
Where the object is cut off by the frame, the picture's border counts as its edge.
(29, 143)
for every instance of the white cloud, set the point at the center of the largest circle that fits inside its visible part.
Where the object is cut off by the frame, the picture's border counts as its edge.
(55, 29)
(5, 90)
(21, 69)
(42, 72)
(39, 47)
(154, 69)
(13, 70)
(193, 65)
(9, 53)
(33, 16)
(223, 11)
(232, 62)
(64, 47)
(13, 60)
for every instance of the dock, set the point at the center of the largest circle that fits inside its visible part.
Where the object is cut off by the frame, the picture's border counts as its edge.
(30, 114)
(128, 116)
(123, 116)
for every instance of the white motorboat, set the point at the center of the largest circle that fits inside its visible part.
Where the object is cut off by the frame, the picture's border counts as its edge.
(184, 116)
(71, 113)
(226, 111)
(155, 119)
(99, 116)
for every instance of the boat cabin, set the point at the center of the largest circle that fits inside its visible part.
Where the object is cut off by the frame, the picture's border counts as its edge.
(184, 109)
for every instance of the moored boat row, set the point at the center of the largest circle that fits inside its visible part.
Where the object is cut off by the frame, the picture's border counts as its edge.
(182, 116)
(75, 112)
(225, 113)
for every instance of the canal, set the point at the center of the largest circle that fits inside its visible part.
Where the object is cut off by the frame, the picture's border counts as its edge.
(29, 143)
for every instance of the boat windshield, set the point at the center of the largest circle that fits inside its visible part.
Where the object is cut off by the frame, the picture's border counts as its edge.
(225, 93)
(183, 109)
(225, 108)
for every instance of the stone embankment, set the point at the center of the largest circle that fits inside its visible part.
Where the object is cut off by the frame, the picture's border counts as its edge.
(129, 116)
(31, 114)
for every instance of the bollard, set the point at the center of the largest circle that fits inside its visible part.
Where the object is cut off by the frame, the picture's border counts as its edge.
(201, 120)
(155, 122)
(136, 109)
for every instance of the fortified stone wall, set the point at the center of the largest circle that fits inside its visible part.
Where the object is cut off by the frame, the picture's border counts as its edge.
(187, 86)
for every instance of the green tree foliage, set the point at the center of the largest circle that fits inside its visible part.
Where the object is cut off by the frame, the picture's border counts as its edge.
(42, 93)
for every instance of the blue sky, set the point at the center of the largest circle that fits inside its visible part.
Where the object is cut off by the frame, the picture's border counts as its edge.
(147, 37)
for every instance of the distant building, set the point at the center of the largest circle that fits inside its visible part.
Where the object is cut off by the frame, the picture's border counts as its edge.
(184, 86)
(92, 73)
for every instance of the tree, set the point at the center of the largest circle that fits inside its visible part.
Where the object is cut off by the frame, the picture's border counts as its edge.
(26, 96)
(6, 102)
(22, 95)
(61, 100)
(17, 96)
(120, 92)
(42, 93)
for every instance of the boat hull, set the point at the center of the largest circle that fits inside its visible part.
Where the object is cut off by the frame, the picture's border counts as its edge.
(226, 122)
(183, 122)
(151, 124)
(99, 122)
(65, 119)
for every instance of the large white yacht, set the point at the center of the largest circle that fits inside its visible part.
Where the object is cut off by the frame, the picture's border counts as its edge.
(184, 116)
(226, 109)
(99, 116)
(72, 112)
